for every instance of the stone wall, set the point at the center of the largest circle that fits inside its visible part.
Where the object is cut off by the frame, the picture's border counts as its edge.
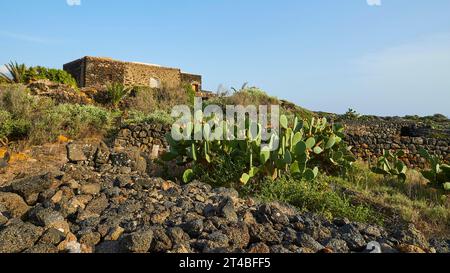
(97, 72)
(187, 78)
(77, 69)
(101, 71)
(140, 74)
(369, 138)
(150, 138)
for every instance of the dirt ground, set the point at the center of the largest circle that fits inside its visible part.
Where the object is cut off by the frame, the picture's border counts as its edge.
(34, 160)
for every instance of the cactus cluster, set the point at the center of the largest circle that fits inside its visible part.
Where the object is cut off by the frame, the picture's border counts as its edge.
(297, 148)
(390, 164)
(439, 174)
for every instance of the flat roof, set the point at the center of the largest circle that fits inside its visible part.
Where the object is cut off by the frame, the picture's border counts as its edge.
(127, 62)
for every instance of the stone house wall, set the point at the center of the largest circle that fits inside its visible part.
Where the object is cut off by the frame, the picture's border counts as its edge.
(140, 74)
(77, 69)
(97, 72)
(369, 138)
(191, 79)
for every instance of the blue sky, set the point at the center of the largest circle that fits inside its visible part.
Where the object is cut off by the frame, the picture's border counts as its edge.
(326, 55)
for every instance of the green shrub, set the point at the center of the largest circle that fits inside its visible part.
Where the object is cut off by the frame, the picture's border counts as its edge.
(54, 75)
(38, 119)
(351, 114)
(315, 197)
(190, 93)
(158, 116)
(116, 93)
(5, 124)
(19, 108)
(224, 171)
(20, 73)
(17, 100)
(20, 111)
(71, 120)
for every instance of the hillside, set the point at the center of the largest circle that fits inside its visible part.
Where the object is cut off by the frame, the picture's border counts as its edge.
(92, 170)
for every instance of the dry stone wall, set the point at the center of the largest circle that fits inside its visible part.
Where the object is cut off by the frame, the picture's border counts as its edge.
(370, 137)
(150, 138)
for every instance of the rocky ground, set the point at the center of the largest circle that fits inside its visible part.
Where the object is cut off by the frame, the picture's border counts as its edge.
(102, 201)
(49, 157)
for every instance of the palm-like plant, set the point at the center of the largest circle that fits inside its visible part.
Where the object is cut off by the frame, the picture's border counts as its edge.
(17, 73)
(116, 93)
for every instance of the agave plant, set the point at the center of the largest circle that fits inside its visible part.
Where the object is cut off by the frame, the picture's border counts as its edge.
(17, 73)
(116, 93)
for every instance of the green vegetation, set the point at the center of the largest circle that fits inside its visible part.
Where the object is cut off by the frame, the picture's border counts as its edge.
(190, 93)
(439, 174)
(17, 73)
(224, 171)
(318, 197)
(72, 120)
(20, 73)
(148, 100)
(116, 93)
(255, 96)
(351, 114)
(158, 116)
(437, 121)
(390, 165)
(298, 150)
(312, 168)
(51, 74)
(39, 120)
(398, 202)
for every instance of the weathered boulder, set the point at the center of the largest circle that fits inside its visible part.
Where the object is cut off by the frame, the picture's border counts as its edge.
(30, 187)
(137, 242)
(411, 236)
(14, 205)
(75, 152)
(18, 237)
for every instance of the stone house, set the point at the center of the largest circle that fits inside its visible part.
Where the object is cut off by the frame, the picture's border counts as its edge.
(96, 72)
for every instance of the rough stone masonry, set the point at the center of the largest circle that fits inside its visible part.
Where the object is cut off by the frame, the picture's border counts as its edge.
(370, 137)
(97, 72)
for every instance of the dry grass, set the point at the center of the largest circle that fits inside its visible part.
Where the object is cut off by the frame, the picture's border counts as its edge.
(34, 160)
(15, 157)
(413, 201)
(148, 100)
